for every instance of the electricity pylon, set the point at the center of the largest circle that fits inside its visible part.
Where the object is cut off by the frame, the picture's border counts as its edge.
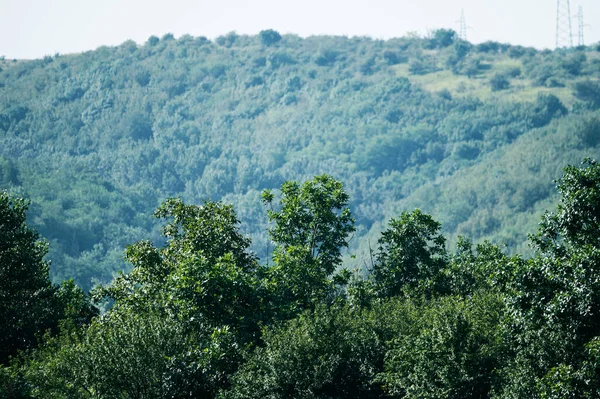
(462, 35)
(581, 27)
(564, 33)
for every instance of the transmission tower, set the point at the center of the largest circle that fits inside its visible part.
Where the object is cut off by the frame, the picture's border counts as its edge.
(462, 35)
(564, 33)
(581, 26)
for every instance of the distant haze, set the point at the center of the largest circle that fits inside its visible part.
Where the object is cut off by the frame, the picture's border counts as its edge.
(34, 28)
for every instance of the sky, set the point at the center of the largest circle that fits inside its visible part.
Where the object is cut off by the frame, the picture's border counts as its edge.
(35, 28)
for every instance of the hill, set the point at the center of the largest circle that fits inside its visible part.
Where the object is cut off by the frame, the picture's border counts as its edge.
(473, 134)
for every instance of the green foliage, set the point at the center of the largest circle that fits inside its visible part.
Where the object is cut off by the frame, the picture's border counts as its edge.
(326, 57)
(203, 273)
(393, 58)
(456, 60)
(471, 67)
(422, 65)
(31, 308)
(8, 173)
(12, 384)
(574, 63)
(454, 352)
(200, 317)
(470, 271)
(328, 353)
(269, 37)
(554, 296)
(138, 126)
(588, 91)
(131, 355)
(443, 38)
(311, 227)
(577, 219)
(499, 82)
(547, 108)
(388, 152)
(97, 140)
(179, 318)
(517, 51)
(411, 253)
(183, 314)
(312, 216)
(588, 130)
(153, 40)
(26, 294)
(489, 47)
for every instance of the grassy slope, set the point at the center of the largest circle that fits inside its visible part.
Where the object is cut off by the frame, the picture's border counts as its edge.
(521, 88)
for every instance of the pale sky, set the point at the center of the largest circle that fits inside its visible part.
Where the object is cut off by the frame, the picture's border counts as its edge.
(34, 28)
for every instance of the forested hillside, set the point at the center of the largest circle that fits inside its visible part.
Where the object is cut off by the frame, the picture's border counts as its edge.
(472, 134)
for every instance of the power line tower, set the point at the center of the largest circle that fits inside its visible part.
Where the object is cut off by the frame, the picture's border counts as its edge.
(564, 33)
(581, 26)
(462, 35)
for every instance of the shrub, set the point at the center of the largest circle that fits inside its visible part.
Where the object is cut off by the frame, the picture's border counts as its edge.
(499, 82)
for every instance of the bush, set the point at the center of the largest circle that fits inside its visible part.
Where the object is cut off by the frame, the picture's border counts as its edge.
(153, 40)
(516, 52)
(393, 58)
(547, 107)
(422, 66)
(588, 91)
(499, 82)
(269, 37)
(326, 57)
(488, 47)
(514, 72)
(442, 38)
(574, 64)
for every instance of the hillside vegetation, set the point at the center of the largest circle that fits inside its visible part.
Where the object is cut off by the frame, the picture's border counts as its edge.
(472, 134)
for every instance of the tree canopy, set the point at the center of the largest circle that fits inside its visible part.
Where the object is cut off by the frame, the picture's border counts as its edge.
(29, 303)
(202, 316)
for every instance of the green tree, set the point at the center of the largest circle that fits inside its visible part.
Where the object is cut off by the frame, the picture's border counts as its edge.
(313, 216)
(499, 82)
(180, 318)
(553, 297)
(310, 227)
(577, 218)
(470, 270)
(205, 271)
(329, 353)
(27, 301)
(547, 107)
(589, 92)
(422, 65)
(8, 173)
(269, 37)
(133, 355)
(454, 351)
(411, 253)
(32, 309)
(443, 38)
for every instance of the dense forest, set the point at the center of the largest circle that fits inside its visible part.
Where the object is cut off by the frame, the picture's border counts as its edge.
(272, 216)
(201, 316)
(472, 134)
